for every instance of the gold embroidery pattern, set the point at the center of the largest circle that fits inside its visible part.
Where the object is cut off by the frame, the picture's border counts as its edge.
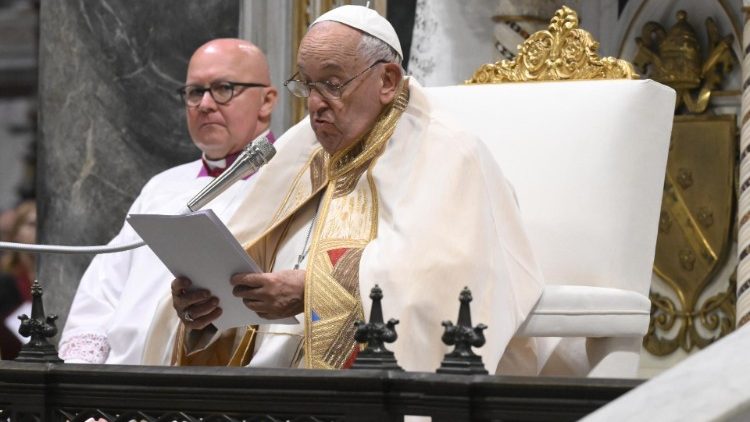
(346, 183)
(343, 346)
(332, 290)
(348, 217)
(317, 169)
(346, 270)
(300, 192)
(330, 338)
(353, 212)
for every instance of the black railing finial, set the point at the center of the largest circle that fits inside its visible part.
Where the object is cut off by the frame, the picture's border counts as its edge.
(39, 327)
(375, 334)
(462, 359)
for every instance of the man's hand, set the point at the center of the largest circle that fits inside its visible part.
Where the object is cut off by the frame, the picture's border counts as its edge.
(272, 295)
(195, 307)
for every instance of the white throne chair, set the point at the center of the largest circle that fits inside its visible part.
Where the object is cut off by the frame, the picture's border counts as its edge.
(585, 147)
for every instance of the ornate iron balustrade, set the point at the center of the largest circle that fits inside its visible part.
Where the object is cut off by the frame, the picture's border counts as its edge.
(66, 392)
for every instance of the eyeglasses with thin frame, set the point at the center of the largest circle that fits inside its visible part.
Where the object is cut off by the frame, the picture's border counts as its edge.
(327, 89)
(221, 91)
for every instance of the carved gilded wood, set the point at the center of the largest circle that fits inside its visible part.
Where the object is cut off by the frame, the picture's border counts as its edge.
(562, 52)
(698, 206)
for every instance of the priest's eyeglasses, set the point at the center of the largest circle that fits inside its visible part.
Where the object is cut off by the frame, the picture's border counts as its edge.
(221, 91)
(327, 89)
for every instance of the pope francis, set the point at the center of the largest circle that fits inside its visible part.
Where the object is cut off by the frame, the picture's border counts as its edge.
(375, 186)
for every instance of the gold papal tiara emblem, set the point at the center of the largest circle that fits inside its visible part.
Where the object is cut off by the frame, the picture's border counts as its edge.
(675, 58)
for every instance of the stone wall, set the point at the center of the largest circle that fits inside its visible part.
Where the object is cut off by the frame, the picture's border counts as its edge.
(110, 117)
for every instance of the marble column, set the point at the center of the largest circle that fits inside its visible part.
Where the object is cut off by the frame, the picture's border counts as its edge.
(269, 25)
(109, 116)
(743, 208)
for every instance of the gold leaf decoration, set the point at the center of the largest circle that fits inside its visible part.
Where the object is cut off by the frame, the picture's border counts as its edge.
(563, 52)
(697, 328)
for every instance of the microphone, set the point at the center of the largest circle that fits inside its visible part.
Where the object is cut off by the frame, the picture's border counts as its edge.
(252, 157)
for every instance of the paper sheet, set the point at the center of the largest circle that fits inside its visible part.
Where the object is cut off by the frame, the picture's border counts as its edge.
(200, 247)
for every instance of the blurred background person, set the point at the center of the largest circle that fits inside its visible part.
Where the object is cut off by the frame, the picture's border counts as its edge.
(17, 271)
(7, 218)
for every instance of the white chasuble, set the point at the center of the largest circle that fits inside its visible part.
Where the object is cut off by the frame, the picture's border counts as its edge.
(419, 207)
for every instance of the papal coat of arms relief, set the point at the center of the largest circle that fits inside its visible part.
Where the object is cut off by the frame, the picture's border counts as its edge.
(697, 213)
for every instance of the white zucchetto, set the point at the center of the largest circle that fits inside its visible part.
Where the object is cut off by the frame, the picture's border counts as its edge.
(366, 20)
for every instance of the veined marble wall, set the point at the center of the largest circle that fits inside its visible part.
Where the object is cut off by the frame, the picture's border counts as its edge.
(110, 117)
(18, 68)
(16, 138)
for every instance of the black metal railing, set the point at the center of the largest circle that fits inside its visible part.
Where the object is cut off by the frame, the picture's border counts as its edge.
(39, 387)
(69, 392)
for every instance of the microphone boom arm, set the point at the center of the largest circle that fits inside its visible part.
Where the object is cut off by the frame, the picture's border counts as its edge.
(60, 249)
(248, 162)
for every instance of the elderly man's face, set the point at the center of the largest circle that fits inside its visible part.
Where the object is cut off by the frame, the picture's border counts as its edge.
(221, 129)
(329, 53)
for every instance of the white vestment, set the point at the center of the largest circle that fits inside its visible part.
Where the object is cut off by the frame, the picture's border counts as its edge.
(119, 292)
(446, 218)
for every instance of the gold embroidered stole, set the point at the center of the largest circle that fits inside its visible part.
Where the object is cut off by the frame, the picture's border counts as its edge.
(347, 222)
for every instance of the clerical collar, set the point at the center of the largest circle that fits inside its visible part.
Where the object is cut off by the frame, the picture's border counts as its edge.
(213, 168)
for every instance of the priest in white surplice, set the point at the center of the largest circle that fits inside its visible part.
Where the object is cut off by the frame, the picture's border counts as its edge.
(374, 187)
(228, 103)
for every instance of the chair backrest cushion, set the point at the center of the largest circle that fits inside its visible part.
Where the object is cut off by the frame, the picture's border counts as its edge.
(587, 161)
